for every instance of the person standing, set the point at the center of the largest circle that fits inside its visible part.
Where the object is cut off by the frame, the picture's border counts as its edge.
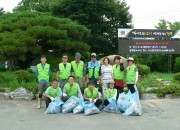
(93, 71)
(42, 73)
(64, 70)
(131, 75)
(52, 92)
(78, 67)
(106, 75)
(118, 70)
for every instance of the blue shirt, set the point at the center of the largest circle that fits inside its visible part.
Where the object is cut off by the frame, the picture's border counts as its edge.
(42, 81)
(48, 91)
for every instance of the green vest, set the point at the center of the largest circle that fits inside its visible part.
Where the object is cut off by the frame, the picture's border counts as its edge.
(111, 94)
(64, 72)
(118, 74)
(53, 93)
(92, 95)
(71, 91)
(130, 74)
(96, 72)
(78, 69)
(43, 74)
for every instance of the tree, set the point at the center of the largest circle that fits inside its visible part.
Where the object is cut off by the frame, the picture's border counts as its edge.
(34, 5)
(101, 16)
(2, 11)
(23, 36)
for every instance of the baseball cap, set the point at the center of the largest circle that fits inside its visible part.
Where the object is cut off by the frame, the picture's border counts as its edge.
(93, 54)
(77, 55)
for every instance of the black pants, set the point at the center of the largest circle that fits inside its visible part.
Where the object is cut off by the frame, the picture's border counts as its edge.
(119, 90)
(48, 100)
(131, 87)
(106, 102)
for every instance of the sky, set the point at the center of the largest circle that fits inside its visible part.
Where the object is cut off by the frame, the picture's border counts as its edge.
(146, 13)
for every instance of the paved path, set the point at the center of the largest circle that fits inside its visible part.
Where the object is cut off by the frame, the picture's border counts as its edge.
(158, 114)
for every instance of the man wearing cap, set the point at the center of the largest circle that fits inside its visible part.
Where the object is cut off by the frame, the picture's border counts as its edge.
(78, 67)
(52, 92)
(131, 74)
(91, 94)
(42, 73)
(93, 71)
(64, 70)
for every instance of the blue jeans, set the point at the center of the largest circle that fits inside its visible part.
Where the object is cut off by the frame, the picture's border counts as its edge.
(62, 83)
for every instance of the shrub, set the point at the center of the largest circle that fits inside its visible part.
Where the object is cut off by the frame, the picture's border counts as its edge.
(177, 64)
(2, 79)
(52, 76)
(144, 70)
(32, 86)
(29, 70)
(173, 88)
(22, 76)
(177, 76)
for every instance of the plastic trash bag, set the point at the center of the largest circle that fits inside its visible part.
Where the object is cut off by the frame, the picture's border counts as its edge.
(135, 108)
(90, 108)
(123, 101)
(79, 108)
(71, 103)
(54, 107)
(112, 107)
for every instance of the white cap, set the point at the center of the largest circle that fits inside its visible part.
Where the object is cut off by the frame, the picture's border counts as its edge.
(93, 54)
(130, 59)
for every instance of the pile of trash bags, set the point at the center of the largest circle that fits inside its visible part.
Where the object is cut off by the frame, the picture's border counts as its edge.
(129, 104)
(79, 108)
(90, 108)
(54, 107)
(70, 104)
(111, 107)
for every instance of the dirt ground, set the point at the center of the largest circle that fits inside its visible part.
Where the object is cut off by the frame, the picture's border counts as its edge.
(158, 114)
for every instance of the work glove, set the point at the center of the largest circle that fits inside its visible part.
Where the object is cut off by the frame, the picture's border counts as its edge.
(95, 100)
(52, 99)
(90, 100)
(64, 94)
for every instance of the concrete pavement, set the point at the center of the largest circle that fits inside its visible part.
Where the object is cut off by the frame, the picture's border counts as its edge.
(158, 114)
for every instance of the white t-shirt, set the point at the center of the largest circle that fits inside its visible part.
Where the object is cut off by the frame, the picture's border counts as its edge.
(106, 72)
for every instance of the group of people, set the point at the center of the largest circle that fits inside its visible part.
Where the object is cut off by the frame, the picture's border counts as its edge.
(71, 78)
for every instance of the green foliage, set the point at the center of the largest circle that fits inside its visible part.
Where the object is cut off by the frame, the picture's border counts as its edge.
(101, 16)
(32, 86)
(173, 88)
(22, 76)
(144, 70)
(29, 70)
(52, 76)
(2, 79)
(177, 64)
(24, 36)
(177, 76)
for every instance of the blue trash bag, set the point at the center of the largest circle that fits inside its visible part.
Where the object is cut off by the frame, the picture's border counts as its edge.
(90, 108)
(79, 108)
(54, 107)
(135, 108)
(71, 103)
(112, 107)
(123, 101)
